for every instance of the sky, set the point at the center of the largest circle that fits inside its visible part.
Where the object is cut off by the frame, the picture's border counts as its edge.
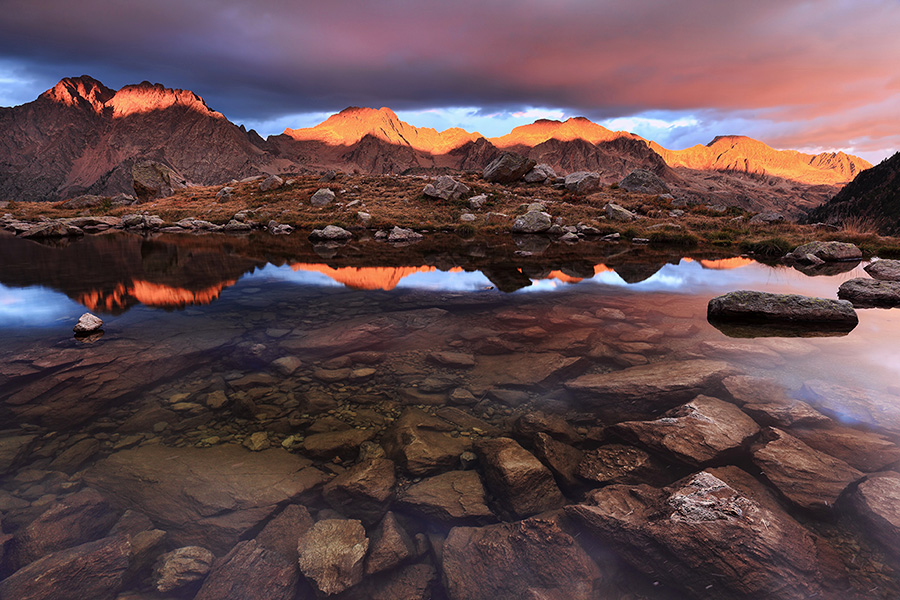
(810, 75)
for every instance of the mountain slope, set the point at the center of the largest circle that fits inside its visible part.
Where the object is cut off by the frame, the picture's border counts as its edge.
(745, 155)
(874, 196)
(82, 137)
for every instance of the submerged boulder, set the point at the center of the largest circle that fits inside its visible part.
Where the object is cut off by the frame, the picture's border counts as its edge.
(716, 534)
(877, 504)
(703, 431)
(808, 478)
(530, 559)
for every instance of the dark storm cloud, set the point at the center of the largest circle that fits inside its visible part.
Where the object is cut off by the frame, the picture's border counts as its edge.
(785, 61)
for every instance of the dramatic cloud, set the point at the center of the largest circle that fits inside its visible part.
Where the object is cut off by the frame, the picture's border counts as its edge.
(816, 73)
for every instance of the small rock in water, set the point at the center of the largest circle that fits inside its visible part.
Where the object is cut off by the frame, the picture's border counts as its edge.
(88, 323)
(258, 441)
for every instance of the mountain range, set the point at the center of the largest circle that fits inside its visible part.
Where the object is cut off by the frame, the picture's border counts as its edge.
(82, 137)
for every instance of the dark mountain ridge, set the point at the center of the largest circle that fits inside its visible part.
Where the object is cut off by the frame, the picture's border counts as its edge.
(872, 198)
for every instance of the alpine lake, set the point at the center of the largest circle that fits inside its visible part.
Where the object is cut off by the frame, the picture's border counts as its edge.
(261, 417)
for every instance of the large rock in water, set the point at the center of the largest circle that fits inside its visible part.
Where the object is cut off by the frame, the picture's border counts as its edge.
(886, 270)
(764, 307)
(869, 293)
(454, 497)
(717, 534)
(520, 481)
(650, 389)
(95, 570)
(508, 168)
(153, 180)
(826, 251)
(643, 182)
(80, 518)
(363, 491)
(206, 497)
(703, 431)
(250, 572)
(877, 503)
(874, 409)
(808, 478)
(531, 559)
(332, 554)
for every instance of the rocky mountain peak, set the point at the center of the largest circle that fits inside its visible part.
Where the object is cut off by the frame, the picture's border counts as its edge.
(84, 91)
(574, 128)
(146, 97)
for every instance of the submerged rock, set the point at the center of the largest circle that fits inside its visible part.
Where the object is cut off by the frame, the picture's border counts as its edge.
(332, 554)
(530, 559)
(453, 497)
(206, 497)
(716, 534)
(93, 570)
(182, 568)
(870, 293)
(250, 572)
(877, 503)
(703, 431)
(521, 483)
(650, 389)
(808, 478)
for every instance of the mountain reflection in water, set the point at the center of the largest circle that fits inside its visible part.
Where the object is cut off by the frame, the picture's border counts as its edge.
(273, 375)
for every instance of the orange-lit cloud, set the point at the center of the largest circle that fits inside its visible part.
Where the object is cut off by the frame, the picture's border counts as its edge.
(792, 73)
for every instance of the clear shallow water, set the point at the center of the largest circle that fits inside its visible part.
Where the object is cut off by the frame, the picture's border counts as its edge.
(295, 343)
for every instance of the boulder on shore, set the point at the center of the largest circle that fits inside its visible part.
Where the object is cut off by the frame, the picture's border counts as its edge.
(534, 221)
(446, 188)
(509, 167)
(826, 251)
(152, 180)
(643, 181)
(330, 233)
(583, 182)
